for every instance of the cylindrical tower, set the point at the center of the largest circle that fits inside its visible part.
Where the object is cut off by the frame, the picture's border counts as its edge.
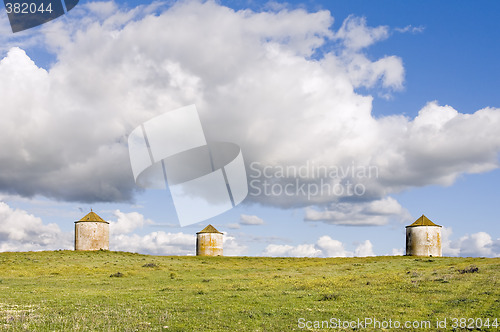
(423, 238)
(209, 242)
(91, 233)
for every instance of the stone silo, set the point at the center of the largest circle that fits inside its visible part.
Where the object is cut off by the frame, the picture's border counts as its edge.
(209, 242)
(423, 238)
(91, 233)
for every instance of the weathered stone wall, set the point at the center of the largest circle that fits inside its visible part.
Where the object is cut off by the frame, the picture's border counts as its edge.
(423, 241)
(91, 235)
(209, 244)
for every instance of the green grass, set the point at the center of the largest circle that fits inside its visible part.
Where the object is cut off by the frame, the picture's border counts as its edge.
(74, 291)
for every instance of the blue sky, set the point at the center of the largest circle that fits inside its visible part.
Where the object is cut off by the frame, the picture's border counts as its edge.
(408, 87)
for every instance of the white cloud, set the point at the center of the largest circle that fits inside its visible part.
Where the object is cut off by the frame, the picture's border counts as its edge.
(127, 222)
(398, 252)
(331, 247)
(362, 72)
(162, 243)
(496, 247)
(410, 28)
(364, 249)
(246, 219)
(355, 34)
(250, 220)
(324, 247)
(373, 213)
(302, 250)
(448, 250)
(155, 243)
(478, 244)
(231, 247)
(21, 231)
(64, 129)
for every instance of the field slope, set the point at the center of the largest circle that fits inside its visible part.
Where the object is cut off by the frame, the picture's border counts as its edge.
(116, 291)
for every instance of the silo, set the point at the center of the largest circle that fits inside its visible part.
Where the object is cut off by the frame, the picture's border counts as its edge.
(423, 238)
(91, 233)
(209, 242)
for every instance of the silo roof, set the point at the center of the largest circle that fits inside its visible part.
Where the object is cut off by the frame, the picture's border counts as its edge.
(92, 216)
(209, 229)
(423, 221)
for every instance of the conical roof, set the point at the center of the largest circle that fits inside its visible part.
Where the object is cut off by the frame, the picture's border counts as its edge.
(423, 221)
(209, 229)
(92, 217)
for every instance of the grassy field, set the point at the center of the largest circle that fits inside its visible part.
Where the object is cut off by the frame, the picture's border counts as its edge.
(116, 291)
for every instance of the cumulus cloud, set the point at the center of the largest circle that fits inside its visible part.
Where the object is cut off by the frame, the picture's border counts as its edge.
(360, 214)
(364, 249)
(362, 72)
(127, 222)
(479, 244)
(448, 248)
(356, 35)
(246, 219)
(302, 250)
(21, 231)
(259, 79)
(331, 247)
(162, 243)
(398, 252)
(122, 238)
(324, 247)
(155, 243)
(496, 247)
(231, 246)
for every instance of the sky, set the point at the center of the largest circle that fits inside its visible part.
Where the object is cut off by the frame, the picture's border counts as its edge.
(354, 118)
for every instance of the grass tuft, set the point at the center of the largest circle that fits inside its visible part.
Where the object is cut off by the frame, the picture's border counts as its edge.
(470, 269)
(117, 275)
(329, 297)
